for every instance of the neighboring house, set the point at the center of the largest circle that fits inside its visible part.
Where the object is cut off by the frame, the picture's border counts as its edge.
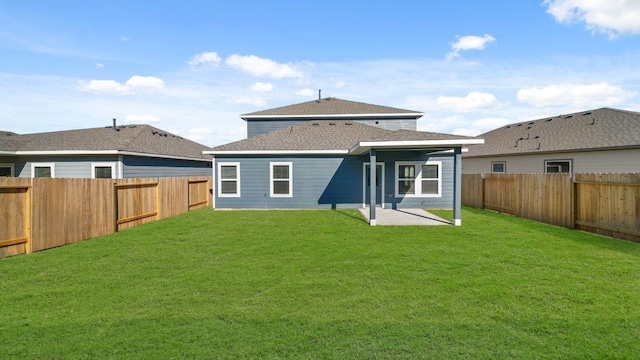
(128, 151)
(603, 140)
(318, 154)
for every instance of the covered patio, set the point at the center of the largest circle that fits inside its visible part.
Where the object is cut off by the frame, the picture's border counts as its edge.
(403, 217)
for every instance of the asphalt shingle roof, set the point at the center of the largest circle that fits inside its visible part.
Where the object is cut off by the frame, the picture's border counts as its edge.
(327, 135)
(329, 106)
(143, 139)
(604, 128)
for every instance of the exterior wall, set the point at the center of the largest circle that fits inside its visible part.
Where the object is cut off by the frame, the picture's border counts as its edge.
(140, 167)
(327, 182)
(65, 166)
(258, 127)
(604, 161)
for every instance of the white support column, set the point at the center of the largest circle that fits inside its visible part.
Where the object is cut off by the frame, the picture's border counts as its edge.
(372, 187)
(213, 181)
(457, 187)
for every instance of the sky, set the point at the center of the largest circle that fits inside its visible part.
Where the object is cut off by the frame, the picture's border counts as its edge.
(193, 67)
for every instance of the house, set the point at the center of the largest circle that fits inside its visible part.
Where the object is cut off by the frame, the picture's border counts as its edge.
(602, 140)
(127, 151)
(317, 154)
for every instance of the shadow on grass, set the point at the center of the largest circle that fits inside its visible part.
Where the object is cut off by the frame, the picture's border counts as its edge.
(573, 235)
(352, 213)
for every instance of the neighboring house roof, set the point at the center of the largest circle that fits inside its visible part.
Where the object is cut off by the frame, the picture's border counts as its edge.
(141, 140)
(331, 107)
(598, 129)
(340, 137)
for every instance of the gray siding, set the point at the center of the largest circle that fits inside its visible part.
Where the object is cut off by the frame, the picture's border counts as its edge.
(328, 182)
(604, 161)
(258, 127)
(141, 167)
(65, 166)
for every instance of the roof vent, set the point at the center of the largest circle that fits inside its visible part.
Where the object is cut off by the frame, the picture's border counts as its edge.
(548, 120)
(517, 125)
(315, 123)
(568, 116)
(508, 127)
(587, 113)
(531, 123)
(348, 123)
(332, 123)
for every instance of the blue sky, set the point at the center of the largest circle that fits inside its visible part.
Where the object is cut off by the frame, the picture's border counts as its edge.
(192, 67)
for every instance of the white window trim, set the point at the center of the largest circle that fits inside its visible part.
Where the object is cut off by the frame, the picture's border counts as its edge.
(220, 180)
(418, 179)
(271, 179)
(112, 165)
(364, 183)
(559, 160)
(10, 166)
(504, 167)
(35, 165)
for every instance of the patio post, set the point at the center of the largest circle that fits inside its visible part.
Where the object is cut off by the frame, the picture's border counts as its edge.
(457, 186)
(372, 187)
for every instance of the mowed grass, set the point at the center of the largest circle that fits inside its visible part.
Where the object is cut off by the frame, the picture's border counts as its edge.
(324, 284)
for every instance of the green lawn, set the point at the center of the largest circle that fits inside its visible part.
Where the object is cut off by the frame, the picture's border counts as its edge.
(324, 284)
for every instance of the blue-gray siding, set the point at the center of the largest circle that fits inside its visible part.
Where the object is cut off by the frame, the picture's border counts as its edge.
(329, 182)
(258, 127)
(65, 166)
(132, 166)
(141, 167)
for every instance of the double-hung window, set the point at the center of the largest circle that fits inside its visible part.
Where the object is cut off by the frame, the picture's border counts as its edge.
(228, 179)
(557, 166)
(419, 179)
(281, 179)
(103, 170)
(6, 170)
(43, 170)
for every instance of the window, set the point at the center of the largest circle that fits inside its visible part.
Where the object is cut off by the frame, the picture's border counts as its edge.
(280, 177)
(557, 166)
(43, 170)
(498, 167)
(6, 170)
(228, 179)
(419, 179)
(103, 170)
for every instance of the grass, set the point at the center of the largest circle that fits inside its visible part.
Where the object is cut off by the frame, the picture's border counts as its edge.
(323, 284)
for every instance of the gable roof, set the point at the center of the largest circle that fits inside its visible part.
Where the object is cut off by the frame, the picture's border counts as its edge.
(143, 140)
(331, 107)
(339, 137)
(598, 129)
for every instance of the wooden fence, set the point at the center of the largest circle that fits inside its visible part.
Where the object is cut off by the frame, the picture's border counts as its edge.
(607, 204)
(38, 214)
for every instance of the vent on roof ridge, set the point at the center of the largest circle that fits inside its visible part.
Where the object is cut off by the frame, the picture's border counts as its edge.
(568, 116)
(531, 123)
(549, 120)
(332, 123)
(587, 113)
(508, 127)
(315, 123)
(348, 123)
(517, 125)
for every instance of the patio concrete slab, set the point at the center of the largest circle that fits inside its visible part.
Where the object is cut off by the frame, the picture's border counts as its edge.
(400, 217)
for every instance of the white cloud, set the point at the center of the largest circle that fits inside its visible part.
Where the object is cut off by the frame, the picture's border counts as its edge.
(261, 87)
(473, 101)
(612, 17)
(339, 84)
(470, 42)
(255, 101)
(149, 82)
(257, 66)
(590, 96)
(99, 65)
(305, 92)
(206, 59)
(144, 119)
(124, 38)
(114, 87)
(105, 86)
